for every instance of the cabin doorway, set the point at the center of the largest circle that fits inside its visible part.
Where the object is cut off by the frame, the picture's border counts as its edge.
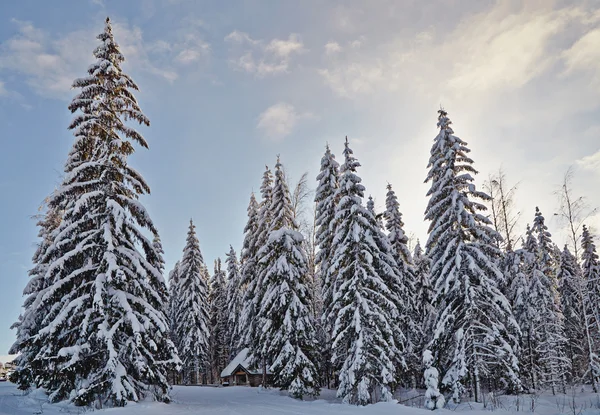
(241, 378)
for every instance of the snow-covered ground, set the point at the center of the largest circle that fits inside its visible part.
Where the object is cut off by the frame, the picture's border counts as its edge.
(252, 401)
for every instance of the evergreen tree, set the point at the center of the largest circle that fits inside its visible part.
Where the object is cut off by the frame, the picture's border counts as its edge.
(433, 398)
(423, 289)
(547, 318)
(248, 271)
(571, 299)
(255, 289)
(287, 338)
(235, 298)
(328, 179)
(174, 296)
(423, 297)
(30, 321)
(411, 320)
(218, 321)
(104, 338)
(591, 298)
(378, 216)
(192, 312)
(364, 348)
(471, 333)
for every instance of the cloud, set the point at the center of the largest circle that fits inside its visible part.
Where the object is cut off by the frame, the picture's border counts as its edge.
(263, 58)
(591, 162)
(50, 63)
(331, 48)
(279, 120)
(584, 55)
(3, 91)
(500, 49)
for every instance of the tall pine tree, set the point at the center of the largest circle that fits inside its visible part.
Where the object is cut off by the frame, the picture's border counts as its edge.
(192, 313)
(364, 348)
(328, 182)
(409, 311)
(549, 365)
(591, 298)
(218, 322)
(471, 333)
(248, 270)
(255, 289)
(234, 303)
(570, 281)
(104, 338)
(287, 338)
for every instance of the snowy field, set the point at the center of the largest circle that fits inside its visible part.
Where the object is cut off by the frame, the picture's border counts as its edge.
(251, 401)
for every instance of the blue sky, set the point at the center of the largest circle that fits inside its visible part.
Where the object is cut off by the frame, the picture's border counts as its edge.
(229, 85)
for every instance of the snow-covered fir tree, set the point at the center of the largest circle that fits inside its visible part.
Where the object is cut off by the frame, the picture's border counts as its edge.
(472, 338)
(570, 281)
(409, 308)
(423, 297)
(248, 271)
(364, 348)
(544, 359)
(192, 313)
(590, 267)
(104, 338)
(173, 299)
(219, 344)
(433, 398)
(378, 216)
(33, 314)
(255, 289)
(287, 338)
(234, 302)
(328, 182)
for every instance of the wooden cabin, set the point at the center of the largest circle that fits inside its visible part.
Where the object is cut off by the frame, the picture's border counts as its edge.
(239, 373)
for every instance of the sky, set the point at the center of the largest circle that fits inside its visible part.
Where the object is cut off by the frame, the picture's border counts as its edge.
(228, 86)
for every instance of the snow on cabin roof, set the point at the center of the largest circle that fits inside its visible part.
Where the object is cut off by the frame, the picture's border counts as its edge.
(241, 359)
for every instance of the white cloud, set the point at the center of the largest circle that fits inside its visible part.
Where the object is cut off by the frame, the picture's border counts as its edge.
(279, 120)
(591, 162)
(50, 63)
(503, 48)
(261, 58)
(584, 54)
(331, 48)
(3, 90)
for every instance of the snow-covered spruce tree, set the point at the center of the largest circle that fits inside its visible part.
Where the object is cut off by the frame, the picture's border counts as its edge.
(173, 300)
(404, 327)
(192, 312)
(33, 314)
(248, 273)
(409, 312)
(591, 298)
(234, 303)
(287, 337)
(218, 322)
(256, 289)
(433, 398)
(378, 216)
(550, 365)
(570, 281)
(364, 348)
(328, 182)
(172, 314)
(471, 333)
(104, 337)
(423, 297)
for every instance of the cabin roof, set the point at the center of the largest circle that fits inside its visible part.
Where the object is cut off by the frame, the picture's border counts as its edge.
(242, 359)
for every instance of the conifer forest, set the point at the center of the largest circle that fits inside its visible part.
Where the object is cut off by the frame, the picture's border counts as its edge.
(326, 293)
